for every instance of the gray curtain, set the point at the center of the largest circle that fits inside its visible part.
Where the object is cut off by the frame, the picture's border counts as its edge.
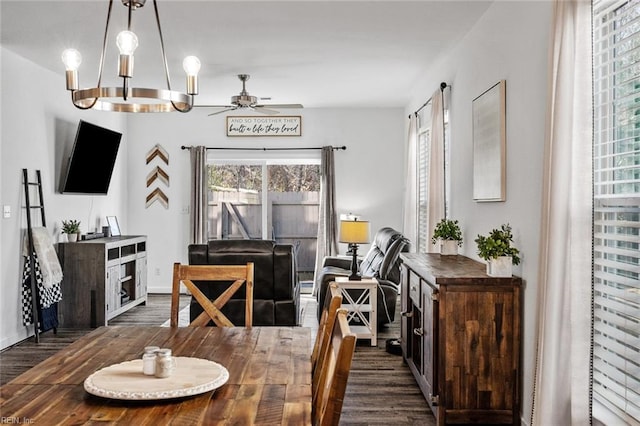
(327, 218)
(198, 219)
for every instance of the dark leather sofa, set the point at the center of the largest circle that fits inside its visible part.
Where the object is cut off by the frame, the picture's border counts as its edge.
(382, 262)
(276, 290)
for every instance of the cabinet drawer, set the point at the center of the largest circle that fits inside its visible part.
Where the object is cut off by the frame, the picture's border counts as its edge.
(414, 289)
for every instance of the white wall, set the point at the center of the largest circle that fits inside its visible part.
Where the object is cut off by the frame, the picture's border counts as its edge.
(38, 125)
(510, 42)
(369, 174)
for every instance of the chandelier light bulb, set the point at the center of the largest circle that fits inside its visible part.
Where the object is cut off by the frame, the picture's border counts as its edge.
(127, 42)
(191, 65)
(71, 59)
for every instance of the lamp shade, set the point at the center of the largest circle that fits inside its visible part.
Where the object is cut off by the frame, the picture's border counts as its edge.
(354, 231)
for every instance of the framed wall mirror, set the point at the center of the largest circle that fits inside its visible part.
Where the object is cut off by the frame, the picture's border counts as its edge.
(489, 144)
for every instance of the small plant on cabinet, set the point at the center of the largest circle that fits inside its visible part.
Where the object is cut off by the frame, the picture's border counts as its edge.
(70, 226)
(447, 229)
(448, 232)
(495, 246)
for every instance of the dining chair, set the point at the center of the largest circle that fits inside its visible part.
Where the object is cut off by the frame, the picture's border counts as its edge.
(208, 275)
(332, 303)
(328, 397)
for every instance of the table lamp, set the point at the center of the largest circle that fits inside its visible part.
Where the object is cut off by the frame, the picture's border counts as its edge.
(354, 232)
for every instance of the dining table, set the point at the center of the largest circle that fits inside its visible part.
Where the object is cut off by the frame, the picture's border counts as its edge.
(266, 380)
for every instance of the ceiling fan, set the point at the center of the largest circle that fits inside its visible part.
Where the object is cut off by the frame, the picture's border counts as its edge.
(245, 100)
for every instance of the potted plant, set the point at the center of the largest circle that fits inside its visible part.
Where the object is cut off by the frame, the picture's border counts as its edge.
(497, 251)
(71, 228)
(450, 236)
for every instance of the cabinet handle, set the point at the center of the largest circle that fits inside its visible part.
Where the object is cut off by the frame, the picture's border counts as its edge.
(435, 400)
(407, 314)
(418, 331)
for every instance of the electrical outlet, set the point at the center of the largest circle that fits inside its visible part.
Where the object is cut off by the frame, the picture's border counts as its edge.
(157, 271)
(6, 212)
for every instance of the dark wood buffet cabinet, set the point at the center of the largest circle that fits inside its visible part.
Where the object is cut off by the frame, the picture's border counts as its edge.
(460, 336)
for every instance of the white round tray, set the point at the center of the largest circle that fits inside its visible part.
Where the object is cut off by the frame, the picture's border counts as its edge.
(191, 376)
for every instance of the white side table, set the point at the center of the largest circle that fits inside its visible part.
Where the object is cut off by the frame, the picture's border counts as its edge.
(367, 302)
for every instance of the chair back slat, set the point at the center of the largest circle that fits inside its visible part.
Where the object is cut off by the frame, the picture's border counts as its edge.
(332, 303)
(328, 397)
(208, 275)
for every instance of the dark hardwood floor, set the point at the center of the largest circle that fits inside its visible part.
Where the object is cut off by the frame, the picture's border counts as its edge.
(380, 391)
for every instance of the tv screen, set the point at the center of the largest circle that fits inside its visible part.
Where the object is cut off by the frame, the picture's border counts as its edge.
(92, 160)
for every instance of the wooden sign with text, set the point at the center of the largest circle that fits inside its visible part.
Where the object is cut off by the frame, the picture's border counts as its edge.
(290, 125)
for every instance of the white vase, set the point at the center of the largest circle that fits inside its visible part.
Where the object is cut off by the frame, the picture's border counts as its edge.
(72, 238)
(449, 247)
(501, 266)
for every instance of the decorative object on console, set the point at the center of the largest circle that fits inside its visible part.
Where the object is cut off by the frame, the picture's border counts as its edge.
(448, 232)
(354, 232)
(71, 228)
(496, 249)
(114, 227)
(116, 98)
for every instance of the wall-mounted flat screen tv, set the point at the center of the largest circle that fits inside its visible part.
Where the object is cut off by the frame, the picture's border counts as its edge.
(92, 159)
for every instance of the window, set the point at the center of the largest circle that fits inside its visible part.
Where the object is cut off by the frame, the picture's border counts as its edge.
(423, 149)
(274, 199)
(616, 218)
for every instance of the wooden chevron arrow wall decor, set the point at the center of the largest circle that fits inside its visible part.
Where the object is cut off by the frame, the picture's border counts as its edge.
(157, 173)
(158, 195)
(157, 176)
(160, 152)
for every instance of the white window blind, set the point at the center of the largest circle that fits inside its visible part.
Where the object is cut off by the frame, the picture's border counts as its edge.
(424, 140)
(616, 226)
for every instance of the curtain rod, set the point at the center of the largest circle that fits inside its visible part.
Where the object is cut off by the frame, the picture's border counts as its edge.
(443, 86)
(335, 148)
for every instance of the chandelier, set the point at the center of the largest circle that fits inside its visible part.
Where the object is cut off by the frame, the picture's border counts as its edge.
(125, 98)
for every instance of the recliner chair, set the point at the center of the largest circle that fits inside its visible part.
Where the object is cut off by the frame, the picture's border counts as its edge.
(381, 262)
(276, 290)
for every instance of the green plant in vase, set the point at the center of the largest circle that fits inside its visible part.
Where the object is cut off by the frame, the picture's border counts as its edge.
(71, 228)
(448, 232)
(497, 250)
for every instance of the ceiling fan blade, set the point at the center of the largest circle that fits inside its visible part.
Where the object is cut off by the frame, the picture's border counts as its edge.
(214, 106)
(281, 106)
(263, 110)
(224, 110)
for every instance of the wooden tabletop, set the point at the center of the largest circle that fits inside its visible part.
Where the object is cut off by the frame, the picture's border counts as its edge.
(269, 378)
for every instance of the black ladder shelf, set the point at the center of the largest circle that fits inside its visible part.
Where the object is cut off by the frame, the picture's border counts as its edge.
(29, 207)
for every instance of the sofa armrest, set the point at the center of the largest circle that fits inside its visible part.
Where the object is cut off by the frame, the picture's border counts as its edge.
(337, 262)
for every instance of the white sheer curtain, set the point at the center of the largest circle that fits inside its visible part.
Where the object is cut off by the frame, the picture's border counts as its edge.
(198, 218)
(436, 190)
(562, 377)
(327, 244)
(410, 216)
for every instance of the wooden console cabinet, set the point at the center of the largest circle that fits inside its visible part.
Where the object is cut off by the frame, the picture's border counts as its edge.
(460, 336)
(102, 278)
